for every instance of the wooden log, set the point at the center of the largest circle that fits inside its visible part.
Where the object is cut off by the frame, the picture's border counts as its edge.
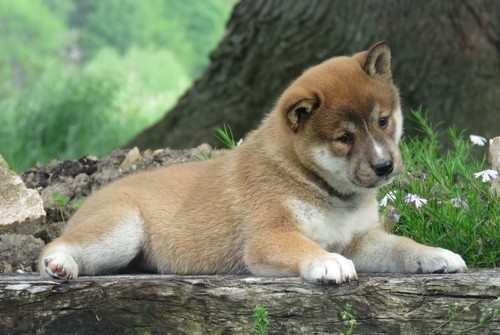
(167, 304)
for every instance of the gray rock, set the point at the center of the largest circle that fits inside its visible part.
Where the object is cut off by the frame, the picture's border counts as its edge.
(494, 158)
(19, 205)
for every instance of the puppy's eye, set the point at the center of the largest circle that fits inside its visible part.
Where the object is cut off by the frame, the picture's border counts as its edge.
(383, 121)
(346, 138)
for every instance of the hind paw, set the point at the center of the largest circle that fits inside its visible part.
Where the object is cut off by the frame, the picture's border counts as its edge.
(61, 266)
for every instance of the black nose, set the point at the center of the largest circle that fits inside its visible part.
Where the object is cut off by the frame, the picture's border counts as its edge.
(383, 169)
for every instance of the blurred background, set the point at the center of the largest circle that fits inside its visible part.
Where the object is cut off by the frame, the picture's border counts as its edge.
(82, 77)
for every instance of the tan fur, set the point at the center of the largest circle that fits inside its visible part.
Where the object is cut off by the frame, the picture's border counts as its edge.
(292, 200)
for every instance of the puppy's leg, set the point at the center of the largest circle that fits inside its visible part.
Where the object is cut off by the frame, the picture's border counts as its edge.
(100, 243)
(379, 251)
(292, 254)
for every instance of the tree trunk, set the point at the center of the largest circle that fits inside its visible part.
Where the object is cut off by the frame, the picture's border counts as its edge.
(156, 304)
(445, 58)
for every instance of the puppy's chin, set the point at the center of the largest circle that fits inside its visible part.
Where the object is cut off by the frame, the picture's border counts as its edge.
(384, 182)
(362, 185)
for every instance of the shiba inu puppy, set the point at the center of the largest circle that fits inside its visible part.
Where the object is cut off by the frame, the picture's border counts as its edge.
(297, 198)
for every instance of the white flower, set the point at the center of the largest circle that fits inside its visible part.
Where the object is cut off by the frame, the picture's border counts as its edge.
(487, 175)
(240, 142)
(478, 140)
(389, 196)
(415, 199)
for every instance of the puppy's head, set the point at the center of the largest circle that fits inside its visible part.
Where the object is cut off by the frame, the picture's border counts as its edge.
(345, 119)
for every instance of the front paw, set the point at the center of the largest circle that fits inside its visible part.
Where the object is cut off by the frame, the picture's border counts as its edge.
(437, 260)
(329, 269)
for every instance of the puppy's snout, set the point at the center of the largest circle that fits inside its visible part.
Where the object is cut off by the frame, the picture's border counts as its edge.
(383, 169)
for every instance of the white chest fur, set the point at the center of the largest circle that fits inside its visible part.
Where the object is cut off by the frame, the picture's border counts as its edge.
(334, 228)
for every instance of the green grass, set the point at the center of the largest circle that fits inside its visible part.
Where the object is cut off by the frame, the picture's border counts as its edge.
(349, 319)
(225, 135)
(461, 214)
(260, 320)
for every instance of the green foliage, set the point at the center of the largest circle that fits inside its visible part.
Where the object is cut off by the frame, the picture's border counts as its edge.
(487, 314)
(189, 30)
(461, 214)
(225, 135)
(206, 16)
(260, 320)
(138, 58)
(60, 200)
(30, 35)
(142, 65)
(349, 318)
(63, 115)
(60, 8)
(115, 23)
(73, 111)
(206, 156)
(145, 91)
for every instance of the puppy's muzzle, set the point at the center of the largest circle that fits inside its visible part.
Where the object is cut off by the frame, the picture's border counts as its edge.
(383, 169)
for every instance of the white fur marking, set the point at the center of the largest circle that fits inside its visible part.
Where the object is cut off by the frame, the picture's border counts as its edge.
(333, 228)
(115, 249)
(334, 169)
(330, 268)
(108, 253)
(378, 149)
(398, 118)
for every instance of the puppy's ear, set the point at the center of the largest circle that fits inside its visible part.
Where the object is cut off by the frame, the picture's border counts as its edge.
(376, 61)
(297, 104)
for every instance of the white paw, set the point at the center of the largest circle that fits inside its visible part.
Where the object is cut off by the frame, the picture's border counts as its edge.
(439, 260)
(332, 268)
(61, 265)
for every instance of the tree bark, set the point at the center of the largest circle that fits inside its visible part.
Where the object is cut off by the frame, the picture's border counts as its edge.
(445, 58)
(166, 304)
